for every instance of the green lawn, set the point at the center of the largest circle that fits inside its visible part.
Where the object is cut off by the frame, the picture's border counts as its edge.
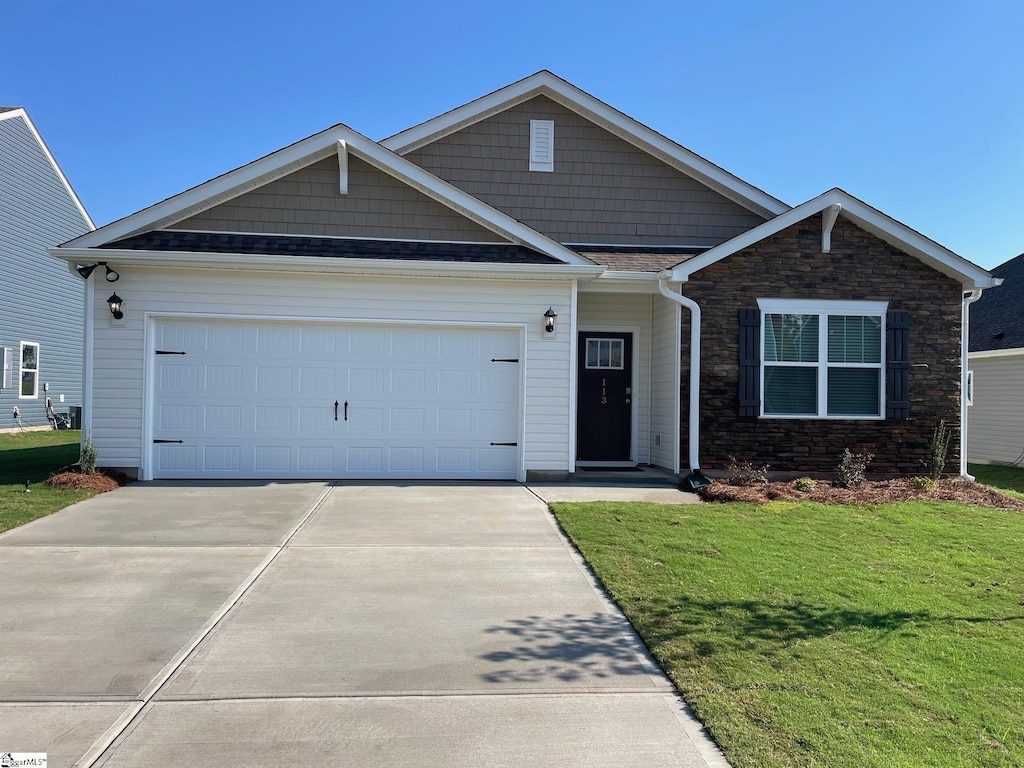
(1007, 479)
(33, 456)
(807, 635)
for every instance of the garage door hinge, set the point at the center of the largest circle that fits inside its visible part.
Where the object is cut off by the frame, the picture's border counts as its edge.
(168, 441)
(165, 352)
(504, 443)
(504, 359)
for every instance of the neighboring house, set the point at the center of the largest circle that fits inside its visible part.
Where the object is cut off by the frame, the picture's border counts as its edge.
(526, 285)
(42, 310)
(996, 432)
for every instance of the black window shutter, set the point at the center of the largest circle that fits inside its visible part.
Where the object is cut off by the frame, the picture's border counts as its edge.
(750, 362)
(897, 365)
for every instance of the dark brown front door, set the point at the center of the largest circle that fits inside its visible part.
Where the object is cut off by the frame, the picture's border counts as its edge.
(604, 409)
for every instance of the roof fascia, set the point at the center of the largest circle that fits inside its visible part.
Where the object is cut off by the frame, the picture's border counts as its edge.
(23, 114)
(310, 150)
(569, 96)
(316, 264)
(982, 354)
(870, 219)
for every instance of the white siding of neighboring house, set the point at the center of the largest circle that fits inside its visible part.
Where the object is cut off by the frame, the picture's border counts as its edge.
(119, 352)
(620, 311)
(995, 431)
(665, 383)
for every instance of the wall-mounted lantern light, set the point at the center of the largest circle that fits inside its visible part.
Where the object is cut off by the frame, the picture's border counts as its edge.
(114, 302)
(549, 320)
(85, 270)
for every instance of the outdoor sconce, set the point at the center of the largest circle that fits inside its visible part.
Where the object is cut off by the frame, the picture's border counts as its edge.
(85, 270)
(549, 320)
(114, 302)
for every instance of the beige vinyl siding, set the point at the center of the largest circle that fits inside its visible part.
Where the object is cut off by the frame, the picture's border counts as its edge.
(119, 353)
(665, 390)
(602, 189)
(995, 423)
(308, 202)
(615, 311)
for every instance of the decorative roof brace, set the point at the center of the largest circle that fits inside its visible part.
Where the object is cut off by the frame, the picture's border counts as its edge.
(342, 167)
(828, 220)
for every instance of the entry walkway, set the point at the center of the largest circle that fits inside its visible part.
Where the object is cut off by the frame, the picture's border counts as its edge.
(304, 623)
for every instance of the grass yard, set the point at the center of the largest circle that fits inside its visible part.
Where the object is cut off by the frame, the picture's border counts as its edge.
(33, 456)
(1009, 480)
(811, 635)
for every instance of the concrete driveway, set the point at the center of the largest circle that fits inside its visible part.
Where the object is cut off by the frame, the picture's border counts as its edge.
(310, 624)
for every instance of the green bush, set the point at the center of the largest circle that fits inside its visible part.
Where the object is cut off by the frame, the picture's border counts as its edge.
(805, 484)
(923, 483)
(852, 468)
(89, 455)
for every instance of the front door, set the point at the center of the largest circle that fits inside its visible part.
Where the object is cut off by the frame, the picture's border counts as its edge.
(604, 419)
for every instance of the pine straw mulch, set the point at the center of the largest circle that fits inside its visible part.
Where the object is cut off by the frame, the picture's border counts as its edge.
(868, 492)
(74, 479)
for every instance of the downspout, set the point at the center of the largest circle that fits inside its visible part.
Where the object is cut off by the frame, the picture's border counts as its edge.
(693, 427)
(965, 314)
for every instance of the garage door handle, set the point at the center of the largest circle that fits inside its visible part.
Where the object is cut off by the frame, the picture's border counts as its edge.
(335, 410)
(509, 444)
(346, 410)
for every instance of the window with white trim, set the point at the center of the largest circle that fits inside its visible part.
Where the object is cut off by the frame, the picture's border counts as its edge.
(822, 359)
(28, 379)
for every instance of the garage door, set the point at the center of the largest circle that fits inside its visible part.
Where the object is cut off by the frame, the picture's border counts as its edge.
(241, 399)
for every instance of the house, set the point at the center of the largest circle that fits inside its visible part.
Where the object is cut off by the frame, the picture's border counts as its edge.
(524, 286)
(996, 358)
(42, 311)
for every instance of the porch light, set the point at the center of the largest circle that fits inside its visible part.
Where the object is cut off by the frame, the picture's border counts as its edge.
(112, 276)
(549, 320)
(86, 270)
(114, 302)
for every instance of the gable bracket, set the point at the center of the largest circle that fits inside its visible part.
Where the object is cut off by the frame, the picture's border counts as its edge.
(342, 167)
(828, 220)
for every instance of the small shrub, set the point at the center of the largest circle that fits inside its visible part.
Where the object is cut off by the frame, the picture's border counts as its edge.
(89, 455)
(805, 484)
(937, 450)
(923, 483)
(852, 467)
(745, 473)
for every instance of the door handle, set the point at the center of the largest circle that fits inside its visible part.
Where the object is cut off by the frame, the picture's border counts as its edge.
(346, 410)
(335, 410)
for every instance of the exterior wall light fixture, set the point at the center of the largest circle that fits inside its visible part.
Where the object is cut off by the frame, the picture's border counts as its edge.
(85, 270)
(549, 320)
(114, 302)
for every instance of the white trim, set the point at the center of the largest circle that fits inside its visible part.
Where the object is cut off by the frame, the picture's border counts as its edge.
(644, 248)
(331, 237)
(150, 319)
(634, 415)
(984, 353)
(22, 371)
(305, 152)
(20, 112)
(693, 410)
(574, 310)
(828, 221)
(542, 145)
(822, 306)
(888, 229)
(87, 356)
(342, 167)
(547, 84)
(677, 405)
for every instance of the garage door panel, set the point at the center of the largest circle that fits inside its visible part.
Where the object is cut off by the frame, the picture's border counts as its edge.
(256, 399)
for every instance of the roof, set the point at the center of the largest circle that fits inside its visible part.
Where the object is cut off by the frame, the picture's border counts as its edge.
(864, 216)
(331, 247)
(643, 259)
(997, 318)
(544, 83)
(8, 109)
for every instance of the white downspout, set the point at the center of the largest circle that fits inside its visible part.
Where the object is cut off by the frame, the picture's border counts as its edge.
(965, 314)
(693, 428)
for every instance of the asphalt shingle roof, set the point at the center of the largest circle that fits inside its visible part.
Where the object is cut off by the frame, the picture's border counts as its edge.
(638, 259)
(997, 318)
(326, 247)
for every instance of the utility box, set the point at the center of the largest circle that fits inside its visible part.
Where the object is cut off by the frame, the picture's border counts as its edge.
(75, 412)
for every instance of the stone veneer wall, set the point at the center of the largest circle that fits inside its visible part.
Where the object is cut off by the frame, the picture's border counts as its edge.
(860, 267)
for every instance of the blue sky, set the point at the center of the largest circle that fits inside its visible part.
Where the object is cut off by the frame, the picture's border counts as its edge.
(915, 107)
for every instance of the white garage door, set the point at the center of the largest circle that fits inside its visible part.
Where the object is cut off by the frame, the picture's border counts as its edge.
(320, 400)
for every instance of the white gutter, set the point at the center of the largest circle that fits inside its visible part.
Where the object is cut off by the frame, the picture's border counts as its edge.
(965, 314)
(693, 426)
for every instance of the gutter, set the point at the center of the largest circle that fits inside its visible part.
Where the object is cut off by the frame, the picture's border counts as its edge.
(693, 425)
(965, 322)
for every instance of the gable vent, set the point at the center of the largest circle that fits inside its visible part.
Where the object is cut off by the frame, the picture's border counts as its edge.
(542, 145)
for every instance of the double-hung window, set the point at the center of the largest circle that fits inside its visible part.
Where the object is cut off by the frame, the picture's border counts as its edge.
(29, 379)
(822, 359)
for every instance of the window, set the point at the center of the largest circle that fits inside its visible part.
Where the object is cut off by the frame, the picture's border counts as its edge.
(29, 386)
(604, 353)
(822, 359)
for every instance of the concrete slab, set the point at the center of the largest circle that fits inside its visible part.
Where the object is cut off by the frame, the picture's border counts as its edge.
(432, 514)
(101, 622)
(496, 731)
(63, 731)
(175, 514)
(372, 620)
(578, 491)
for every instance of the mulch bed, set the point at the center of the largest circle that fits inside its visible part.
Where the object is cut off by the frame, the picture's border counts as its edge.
(74, 479)
(868, 492)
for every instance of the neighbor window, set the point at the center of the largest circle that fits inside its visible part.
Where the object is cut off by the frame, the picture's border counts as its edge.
(29, 386)
(822, 359)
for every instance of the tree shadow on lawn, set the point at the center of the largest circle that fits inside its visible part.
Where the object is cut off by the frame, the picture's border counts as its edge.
(568, 648)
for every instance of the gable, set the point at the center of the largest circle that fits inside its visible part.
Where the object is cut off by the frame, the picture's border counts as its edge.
(308, 202)
(997, 318)
(602, 189)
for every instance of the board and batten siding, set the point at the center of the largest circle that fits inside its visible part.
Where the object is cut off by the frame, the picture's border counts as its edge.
(665, 384)
(42, 301)
(995, 423)
(601, 188)
(119, 352)
(308, 202)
